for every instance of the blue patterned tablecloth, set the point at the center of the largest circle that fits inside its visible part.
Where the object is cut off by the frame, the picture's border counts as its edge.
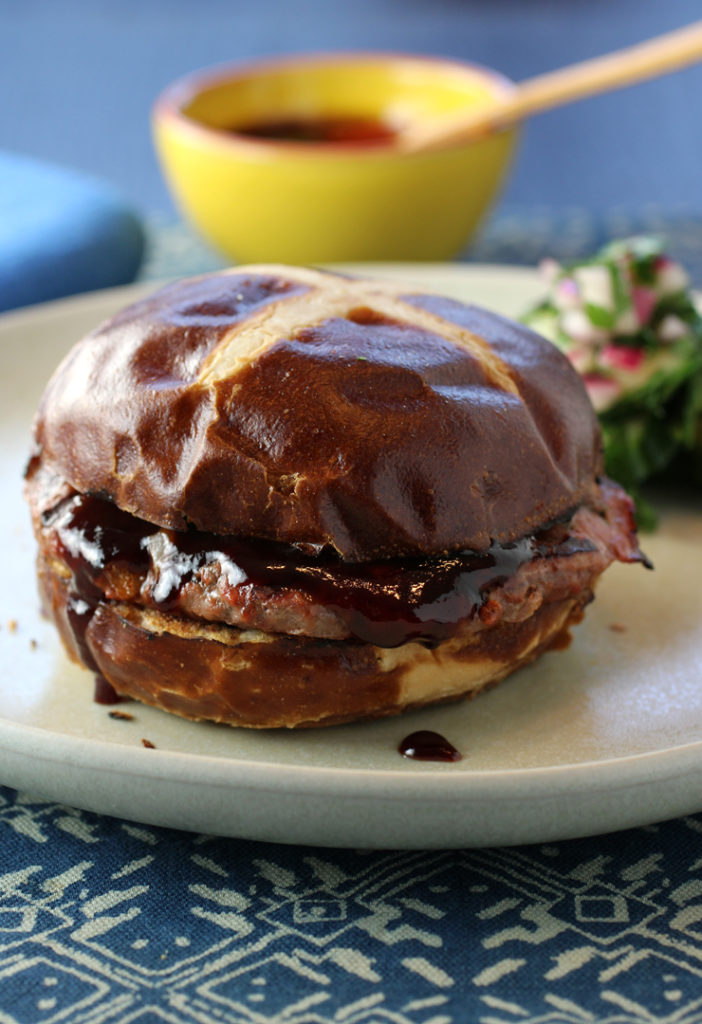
(104, 920)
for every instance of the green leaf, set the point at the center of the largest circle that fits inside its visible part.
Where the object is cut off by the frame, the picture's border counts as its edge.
(599, 316)
(637, 448)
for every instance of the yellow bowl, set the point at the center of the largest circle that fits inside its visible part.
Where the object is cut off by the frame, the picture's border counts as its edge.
(262, 200)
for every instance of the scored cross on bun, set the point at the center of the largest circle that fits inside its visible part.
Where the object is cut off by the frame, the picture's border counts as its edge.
(276, 496)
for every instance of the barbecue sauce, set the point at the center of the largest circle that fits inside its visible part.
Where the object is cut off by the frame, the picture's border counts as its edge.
(426, 745)
(104, 692)
(384, 602)
(342, 129)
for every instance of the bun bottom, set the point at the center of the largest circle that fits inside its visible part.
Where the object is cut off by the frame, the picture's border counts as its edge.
(258, 680)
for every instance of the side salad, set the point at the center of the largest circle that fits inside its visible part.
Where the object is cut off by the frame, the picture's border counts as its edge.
(627, 320)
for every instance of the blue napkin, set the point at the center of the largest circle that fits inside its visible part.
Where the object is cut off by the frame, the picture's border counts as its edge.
(61, 233)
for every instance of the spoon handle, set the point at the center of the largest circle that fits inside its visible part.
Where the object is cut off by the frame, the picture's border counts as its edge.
(654, 57)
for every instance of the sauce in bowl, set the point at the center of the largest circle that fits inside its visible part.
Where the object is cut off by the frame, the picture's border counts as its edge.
(340, 129)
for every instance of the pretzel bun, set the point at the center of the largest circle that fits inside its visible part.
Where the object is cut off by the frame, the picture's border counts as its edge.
(311, 408)
(276, 496)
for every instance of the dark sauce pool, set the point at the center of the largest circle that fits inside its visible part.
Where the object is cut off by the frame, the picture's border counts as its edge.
(345, 130)
(426, 745)
(385, 603)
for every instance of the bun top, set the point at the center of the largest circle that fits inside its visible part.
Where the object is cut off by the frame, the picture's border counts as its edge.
(316, 409)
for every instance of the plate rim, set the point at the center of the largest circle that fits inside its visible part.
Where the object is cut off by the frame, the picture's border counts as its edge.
(427, 775)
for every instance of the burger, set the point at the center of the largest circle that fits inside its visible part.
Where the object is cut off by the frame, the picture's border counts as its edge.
(280, 497)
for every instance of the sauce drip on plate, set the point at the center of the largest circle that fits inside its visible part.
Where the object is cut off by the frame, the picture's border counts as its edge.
(426, 745)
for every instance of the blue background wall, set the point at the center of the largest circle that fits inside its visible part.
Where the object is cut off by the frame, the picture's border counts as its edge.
(78, 79)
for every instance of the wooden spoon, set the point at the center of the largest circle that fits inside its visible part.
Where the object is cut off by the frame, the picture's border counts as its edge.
(657, 56)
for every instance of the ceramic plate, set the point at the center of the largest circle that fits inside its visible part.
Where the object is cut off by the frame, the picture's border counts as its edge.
(604, 735)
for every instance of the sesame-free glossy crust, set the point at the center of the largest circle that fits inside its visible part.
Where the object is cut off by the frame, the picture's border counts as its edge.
(318, 409)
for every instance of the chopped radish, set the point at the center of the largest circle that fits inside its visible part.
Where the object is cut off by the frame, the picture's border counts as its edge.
(670, 277)
(644, 300)
(581, 356)
(567, 295)
(621, 357)
(627, 322)
(595, 284)
(579, 327)
(672, 328)
(603, 391)
(602, 313)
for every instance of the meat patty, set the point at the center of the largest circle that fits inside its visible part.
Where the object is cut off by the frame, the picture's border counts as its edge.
(280, 590)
